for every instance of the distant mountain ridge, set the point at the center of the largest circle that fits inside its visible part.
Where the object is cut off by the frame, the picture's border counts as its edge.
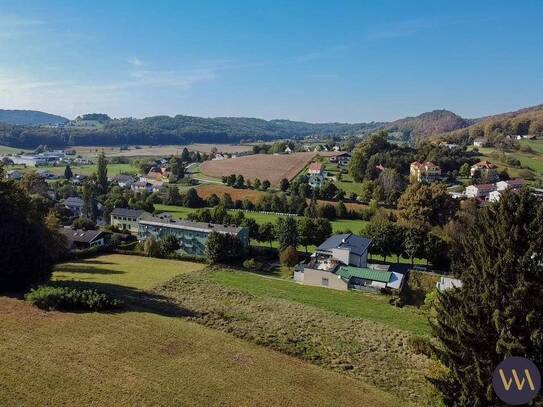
(29, 118)
(25, 129)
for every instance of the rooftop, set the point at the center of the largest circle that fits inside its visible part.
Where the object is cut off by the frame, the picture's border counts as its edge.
(348, 272)
(485, 164)
(357, 245)
(190, 225)
(129, 213)
(80, 235)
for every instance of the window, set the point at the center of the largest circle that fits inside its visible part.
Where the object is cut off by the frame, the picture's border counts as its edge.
(324, 282)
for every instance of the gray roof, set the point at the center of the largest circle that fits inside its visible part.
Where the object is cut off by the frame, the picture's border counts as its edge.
(81, 236)
(190, 225)
(73, 201)
(129, 213)
(358, 245)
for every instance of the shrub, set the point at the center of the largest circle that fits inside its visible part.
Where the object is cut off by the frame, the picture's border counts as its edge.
(420, 345)
(71, 298)
(252, 264)
(289, 256)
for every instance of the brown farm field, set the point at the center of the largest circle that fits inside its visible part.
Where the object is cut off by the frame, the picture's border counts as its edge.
(205, 191)
(158, 151)
(263, 166)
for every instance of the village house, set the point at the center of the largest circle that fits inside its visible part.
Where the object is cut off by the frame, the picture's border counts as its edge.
(192, 236)
(316, 168)
(481, 191)
(342, 159)
(480, 142)
(340, 263)
(79, 239)
(124, 181)
(14, 175)
(315, 180)
(74, 204)
(502, 186)
(485, 170)
(424, 172)
(127, 219)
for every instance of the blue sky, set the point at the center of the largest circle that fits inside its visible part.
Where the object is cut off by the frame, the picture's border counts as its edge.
(349, 61)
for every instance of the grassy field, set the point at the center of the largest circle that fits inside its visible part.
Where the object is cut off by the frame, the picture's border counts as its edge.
(529, 160)
(112, 169)
(181, 212)
(371, 307)
(323, 327)
(346, 183)
(129, 271)
(11, 150)
(150, 356)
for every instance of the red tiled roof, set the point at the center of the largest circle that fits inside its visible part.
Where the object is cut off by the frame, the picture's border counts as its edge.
(485, 164)
(315, 167)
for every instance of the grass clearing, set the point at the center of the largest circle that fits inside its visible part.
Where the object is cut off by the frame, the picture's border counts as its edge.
(136, 358)
(371, 307)
(11, 150)
(129, 271)
(148, 355)
(112, 169)
(375, 353)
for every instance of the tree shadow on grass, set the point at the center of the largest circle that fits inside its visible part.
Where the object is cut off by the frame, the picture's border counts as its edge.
(134, 300)
(82, 268)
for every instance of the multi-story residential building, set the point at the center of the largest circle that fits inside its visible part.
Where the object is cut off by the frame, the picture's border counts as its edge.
(192, 236)
(485, 170)
(127, 219)
(340, 263)
(424, 172)
(341, 159)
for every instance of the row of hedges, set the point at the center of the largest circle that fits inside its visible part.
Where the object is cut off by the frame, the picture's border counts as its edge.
(52, 297)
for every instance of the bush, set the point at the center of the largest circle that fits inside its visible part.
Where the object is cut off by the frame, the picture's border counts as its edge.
(252, 264)
(289, 256)
(420, 345)
(71, 298)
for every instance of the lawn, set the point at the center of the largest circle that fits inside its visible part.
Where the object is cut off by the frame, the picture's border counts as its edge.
(181, 212)
(11, 150)
(112, 169)
(148, 355)
(370, 307)
(129, 271)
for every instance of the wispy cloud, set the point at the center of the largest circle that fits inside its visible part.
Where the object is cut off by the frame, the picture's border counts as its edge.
(135, 61)
(399, 29)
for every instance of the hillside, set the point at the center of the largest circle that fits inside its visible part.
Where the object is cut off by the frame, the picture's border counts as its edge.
(172, 130)
(427, 124)
(520, 122)
(29, 118)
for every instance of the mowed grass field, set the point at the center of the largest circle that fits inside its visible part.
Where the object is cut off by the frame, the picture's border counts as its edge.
(263, 166)
(129, 271)
(148, 357)
(112, 169)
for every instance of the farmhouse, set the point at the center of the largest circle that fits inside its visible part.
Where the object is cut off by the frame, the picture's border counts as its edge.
(78, 239)
(127, 219)
(424, 172)
(484, 169)
(192, 236)
(315, 180)
(510, 184)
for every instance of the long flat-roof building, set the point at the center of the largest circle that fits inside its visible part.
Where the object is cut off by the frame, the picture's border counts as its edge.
(192, 236)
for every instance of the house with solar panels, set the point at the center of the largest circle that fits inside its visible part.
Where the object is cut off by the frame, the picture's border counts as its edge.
(341, 263)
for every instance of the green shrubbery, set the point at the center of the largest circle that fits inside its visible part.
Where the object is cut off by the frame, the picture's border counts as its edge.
(252, 265)
(71, 298)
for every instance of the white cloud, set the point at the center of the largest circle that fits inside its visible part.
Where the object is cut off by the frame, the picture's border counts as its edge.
(135, 61)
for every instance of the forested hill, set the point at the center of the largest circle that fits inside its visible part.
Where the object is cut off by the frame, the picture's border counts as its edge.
(428, 124)
(29, 117)
(521, 122)
(99, 129)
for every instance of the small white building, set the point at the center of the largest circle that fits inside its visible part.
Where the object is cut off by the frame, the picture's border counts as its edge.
(447, 283)
(479, 191)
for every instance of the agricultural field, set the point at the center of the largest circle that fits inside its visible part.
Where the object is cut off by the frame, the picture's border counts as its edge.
(262, 166)
(206, 190)
(151, 354)
(157, 151)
